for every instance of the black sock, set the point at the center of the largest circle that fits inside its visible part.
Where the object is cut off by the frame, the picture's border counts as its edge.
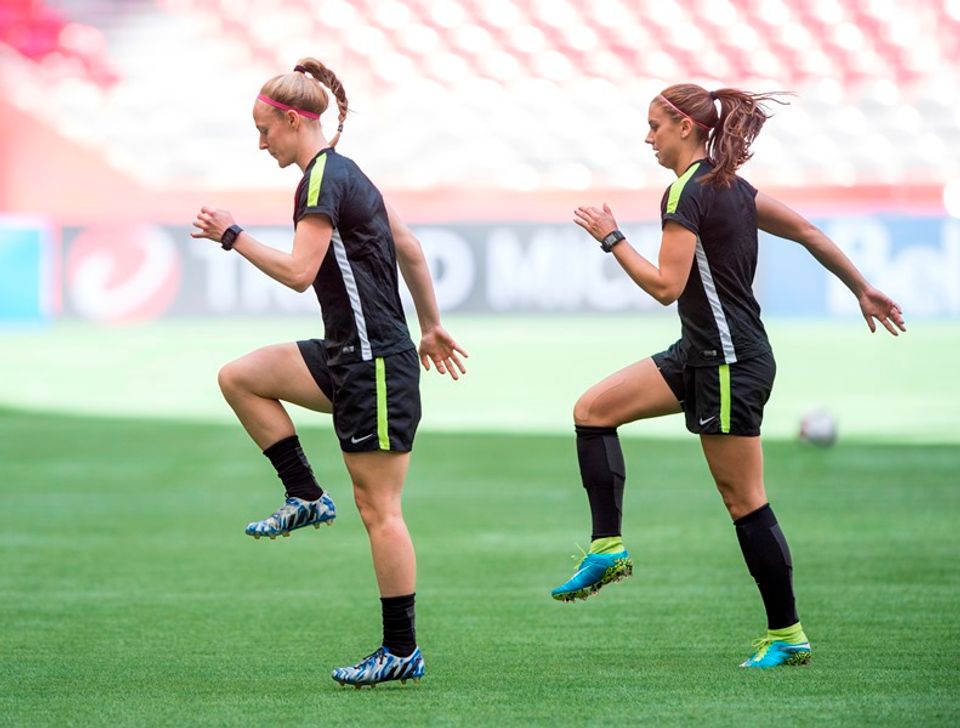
(768, 559)
(399, 624)
(293, 469)
(602, 471)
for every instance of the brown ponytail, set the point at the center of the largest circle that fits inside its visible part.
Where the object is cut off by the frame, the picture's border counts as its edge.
(298, 90)
(730, 133)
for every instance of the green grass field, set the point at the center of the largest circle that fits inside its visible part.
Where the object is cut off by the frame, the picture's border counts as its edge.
(130, 595)
(525, 372)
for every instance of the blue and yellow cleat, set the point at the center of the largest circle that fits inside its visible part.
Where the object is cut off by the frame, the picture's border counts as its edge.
(293, 514)
(593, 572)
(774, 653)
(381, 666)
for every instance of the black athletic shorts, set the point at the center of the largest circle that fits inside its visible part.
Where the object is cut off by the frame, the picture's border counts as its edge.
(720, 400)
(376, 404)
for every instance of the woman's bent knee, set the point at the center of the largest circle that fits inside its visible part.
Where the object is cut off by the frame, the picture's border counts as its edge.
(579, 413)
(587, 414)
(226, 378)
(232, 378)
(583, 411)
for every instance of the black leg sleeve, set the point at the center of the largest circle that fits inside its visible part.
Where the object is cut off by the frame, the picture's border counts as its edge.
(602, 471)
(292, 468)
(767, 555)
(399, 624)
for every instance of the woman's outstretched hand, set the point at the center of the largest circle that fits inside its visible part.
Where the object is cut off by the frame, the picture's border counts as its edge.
(438, 346)
(876, 305)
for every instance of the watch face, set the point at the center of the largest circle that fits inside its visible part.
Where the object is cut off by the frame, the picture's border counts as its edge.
(611, 239)
(229, 237)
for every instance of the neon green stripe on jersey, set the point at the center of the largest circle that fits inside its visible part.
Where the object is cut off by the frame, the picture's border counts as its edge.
(725, 398)
(677, 187)
(316, 178)
(383, 431)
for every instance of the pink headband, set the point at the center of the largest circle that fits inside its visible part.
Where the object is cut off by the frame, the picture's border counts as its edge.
(267, 100)
(684, 114)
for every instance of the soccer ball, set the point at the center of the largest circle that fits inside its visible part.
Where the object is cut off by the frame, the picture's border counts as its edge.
(818, 427)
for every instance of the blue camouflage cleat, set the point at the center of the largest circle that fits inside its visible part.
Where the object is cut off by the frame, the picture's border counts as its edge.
(293, 514)
(773, 653)
(593, 572)
(381, 666)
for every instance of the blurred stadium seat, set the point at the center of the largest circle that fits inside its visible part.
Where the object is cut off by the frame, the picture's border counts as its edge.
(42, 34)
(497, 94)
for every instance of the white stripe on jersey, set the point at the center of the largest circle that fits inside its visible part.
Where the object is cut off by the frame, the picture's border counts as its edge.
(726, 341)
(350, 283)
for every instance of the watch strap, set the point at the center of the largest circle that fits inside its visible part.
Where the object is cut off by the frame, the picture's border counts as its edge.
(229, 236)
(611, 239)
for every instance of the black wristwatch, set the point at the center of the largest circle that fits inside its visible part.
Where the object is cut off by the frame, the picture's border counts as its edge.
(229, 237)
(611, 239)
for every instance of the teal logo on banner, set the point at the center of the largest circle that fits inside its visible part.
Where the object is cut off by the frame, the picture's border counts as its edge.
(25, 284)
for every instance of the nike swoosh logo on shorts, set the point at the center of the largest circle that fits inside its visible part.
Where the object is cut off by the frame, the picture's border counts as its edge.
(357, 440)
(703, 422)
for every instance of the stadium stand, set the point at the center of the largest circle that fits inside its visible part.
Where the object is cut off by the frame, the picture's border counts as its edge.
(548, 94)
(43, 35)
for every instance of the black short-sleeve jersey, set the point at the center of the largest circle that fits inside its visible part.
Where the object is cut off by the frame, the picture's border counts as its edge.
(357, 281)
(719, 315)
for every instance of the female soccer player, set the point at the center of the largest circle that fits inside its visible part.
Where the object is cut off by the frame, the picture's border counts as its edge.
(721, 371)
(347, 244)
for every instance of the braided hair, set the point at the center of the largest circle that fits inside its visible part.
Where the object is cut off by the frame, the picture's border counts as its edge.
(303, 88)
